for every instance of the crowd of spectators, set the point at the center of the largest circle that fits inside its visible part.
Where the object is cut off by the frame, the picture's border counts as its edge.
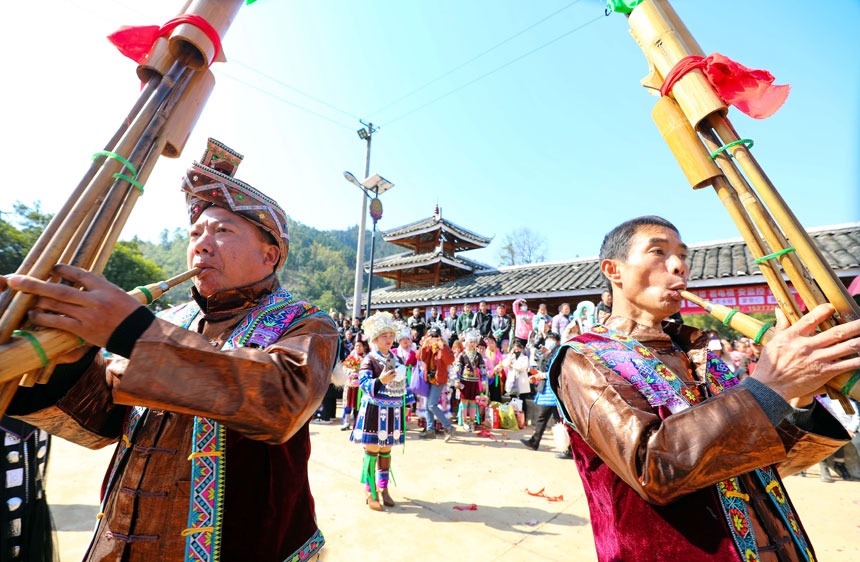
(516, 348)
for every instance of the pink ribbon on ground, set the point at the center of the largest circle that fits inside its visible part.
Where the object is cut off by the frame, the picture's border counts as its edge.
(136, 42)
(751, 91)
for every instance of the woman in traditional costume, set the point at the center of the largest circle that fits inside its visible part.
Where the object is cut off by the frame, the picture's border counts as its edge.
(471, 370)
(380, 424)
(351, 365)
(493, 360)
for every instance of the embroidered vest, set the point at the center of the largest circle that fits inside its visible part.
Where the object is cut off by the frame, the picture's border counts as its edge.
(635, 363)
(263, 326)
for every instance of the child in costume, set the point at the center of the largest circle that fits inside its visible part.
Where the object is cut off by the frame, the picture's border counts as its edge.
(380, 424)
(351, 365)
(471, 370)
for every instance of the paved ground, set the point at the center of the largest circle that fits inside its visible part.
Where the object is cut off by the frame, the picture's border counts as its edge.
(435, 477)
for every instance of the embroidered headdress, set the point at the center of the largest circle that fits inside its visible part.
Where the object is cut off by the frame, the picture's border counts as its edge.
(378, 324)
(472, 335)
(404, 332)
(211, 182)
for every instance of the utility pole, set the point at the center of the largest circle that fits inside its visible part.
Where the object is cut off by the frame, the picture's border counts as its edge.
(366, 135)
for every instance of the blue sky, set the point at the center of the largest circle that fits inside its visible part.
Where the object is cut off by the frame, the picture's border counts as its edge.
(560, 140)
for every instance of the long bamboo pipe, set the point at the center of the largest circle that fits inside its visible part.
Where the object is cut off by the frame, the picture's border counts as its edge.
(19, 355)
(752, 328)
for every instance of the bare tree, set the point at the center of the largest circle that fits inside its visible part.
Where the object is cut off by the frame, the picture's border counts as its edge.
(522, 246)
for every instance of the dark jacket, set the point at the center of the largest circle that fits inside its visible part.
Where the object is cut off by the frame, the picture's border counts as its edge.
(484, 323)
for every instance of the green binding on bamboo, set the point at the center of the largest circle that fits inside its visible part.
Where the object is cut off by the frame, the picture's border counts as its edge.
(728, 318)
(775, 255)
(851, 382)
(43, 357)
(748, 142)
(130, 180)
(765, 327)
(117, 157)
(146, 292)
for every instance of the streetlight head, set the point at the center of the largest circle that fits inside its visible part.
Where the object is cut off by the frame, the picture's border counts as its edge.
(362, 134)
(351, 178)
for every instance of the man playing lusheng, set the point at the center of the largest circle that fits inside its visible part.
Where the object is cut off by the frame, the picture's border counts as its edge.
(211, 410)
(677, 460)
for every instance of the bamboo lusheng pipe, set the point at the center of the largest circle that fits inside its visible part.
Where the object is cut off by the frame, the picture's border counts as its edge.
(91, 196)
(19, 356)
(48, 233)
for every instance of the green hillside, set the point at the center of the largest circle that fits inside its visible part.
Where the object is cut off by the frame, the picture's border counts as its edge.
(320, 267)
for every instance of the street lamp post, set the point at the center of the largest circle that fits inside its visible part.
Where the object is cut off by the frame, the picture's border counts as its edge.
(371, 188)
(365, 135)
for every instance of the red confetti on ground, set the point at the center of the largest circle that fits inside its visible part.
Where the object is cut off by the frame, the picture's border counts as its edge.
(540, 494)
(485, 433)
(472, 507)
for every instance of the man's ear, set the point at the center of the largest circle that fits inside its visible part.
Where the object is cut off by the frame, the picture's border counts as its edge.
(272, 255)
(612, 270)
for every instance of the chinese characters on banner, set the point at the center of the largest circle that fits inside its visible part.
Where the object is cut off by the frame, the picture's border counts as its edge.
(749, 298)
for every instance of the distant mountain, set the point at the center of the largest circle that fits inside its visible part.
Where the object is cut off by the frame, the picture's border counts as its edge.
(320, 265)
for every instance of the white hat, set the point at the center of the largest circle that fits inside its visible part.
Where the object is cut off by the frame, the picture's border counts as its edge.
(404, 332)
(378, 324)
(472, 335)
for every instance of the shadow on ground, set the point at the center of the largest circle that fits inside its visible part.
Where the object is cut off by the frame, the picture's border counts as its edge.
(74, 517)
(525, 520)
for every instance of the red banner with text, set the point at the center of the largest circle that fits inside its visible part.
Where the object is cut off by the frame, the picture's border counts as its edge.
(748, 298)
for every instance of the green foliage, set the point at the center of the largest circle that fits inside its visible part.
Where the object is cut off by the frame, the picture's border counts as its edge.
(708, 322)
(128, 269)
(17, 237)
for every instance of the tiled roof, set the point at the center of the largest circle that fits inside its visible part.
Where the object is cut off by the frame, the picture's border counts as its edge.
(723, 262)
(432, 223)
(408, 259)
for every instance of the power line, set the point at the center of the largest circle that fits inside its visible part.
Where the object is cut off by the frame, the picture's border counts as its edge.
(498, 68)
(283, 100)
(293, 88)
(476, 57)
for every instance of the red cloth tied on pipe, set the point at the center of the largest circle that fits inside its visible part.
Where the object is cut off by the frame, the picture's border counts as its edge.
(135, 42)
(751, 91)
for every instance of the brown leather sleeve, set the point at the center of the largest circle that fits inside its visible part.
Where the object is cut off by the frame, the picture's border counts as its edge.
(805, 448)
(662, 460)
(86, 415)
(265, 394)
